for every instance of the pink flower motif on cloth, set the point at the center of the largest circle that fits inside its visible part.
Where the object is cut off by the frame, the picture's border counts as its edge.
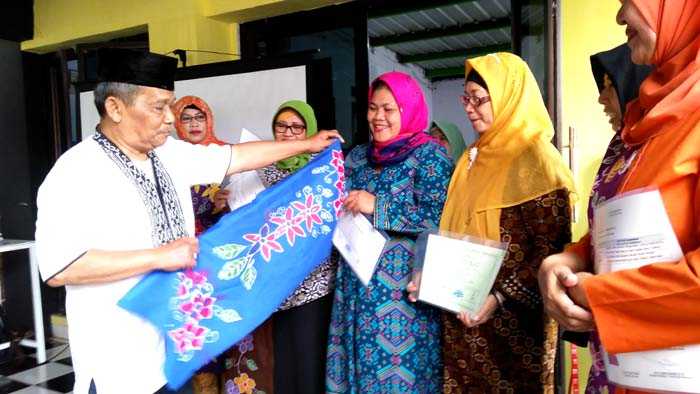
(338, 206)
(338, 162)
(199, 307)
(189, 337)
(338, 202)
(309, 211)
(197, 278)
(182, 290)
(188, 280)
(264, 242)
(192, 304)
(288, 224)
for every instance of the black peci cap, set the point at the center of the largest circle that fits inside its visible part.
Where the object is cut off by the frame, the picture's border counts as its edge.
(136, 67)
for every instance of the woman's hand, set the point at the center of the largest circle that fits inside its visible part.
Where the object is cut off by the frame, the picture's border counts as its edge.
(360, 201)
(577, 294)
(484, 315)
(412, 290)
(561, 292)
(322, 140)
(221, 199)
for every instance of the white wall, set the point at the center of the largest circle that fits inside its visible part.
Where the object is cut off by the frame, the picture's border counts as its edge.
(441, 96)
(383, 60)
(245, 100)
(446, 106)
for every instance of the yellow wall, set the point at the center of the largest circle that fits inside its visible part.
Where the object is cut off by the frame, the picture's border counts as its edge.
(210, 25)
(587, 27)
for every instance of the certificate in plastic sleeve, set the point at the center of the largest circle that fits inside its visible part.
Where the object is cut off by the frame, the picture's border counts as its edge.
(456, 272)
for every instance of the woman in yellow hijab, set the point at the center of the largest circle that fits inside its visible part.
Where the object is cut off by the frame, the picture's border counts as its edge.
(511, 185)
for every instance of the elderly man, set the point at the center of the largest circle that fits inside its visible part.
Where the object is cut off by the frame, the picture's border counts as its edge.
(117, 206)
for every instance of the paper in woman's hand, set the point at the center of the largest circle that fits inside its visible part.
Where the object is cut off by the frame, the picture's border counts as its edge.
(360, 244)
(456, 273)
(631, 231)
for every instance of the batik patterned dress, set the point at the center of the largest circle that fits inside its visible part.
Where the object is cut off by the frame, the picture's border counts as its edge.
(205, 214)
(513, 352)
(613, 168)
(379, 342)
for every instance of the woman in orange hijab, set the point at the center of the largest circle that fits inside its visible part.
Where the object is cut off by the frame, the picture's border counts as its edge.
(656, 306)
(194, 123)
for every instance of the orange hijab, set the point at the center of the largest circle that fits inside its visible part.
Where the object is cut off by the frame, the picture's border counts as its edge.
(187, 101)
(665, 118)
(671, 92)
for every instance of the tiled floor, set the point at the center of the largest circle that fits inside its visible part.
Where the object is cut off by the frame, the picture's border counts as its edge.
(26, 377)
(53, 377)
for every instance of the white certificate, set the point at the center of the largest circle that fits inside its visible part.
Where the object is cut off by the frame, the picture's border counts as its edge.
(629, 232)
(457, 274)
(359, 243)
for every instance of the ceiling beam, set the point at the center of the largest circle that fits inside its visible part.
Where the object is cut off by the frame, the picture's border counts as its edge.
(448, 72)
(394, 8)
(444, 73)
(463, 53)
(469, 28)
(448, 77)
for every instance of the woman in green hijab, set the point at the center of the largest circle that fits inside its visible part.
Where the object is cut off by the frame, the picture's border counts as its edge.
(293, 341)
(449, 136)
(294, 120)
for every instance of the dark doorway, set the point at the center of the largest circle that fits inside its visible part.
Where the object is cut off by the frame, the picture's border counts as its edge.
(337, 33)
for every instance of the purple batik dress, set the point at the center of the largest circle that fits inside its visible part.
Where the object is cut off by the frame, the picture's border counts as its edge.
(617, 161)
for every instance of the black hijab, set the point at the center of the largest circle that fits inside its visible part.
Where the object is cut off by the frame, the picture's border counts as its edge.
(626, 77)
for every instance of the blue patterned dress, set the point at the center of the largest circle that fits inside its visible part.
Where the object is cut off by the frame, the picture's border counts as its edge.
(379, 342)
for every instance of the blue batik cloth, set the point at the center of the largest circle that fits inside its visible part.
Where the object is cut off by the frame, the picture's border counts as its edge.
(248, 264)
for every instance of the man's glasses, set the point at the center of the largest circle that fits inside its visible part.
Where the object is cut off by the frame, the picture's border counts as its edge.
(295, 128)
(473, 100)
(200, 118)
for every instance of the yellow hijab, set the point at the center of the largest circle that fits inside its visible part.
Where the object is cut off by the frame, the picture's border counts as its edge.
(515, 163)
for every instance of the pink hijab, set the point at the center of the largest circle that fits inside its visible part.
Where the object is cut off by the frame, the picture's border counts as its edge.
(414, 120)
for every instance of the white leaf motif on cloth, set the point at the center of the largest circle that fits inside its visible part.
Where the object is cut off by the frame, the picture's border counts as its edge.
(319, 170)
(249, 276)
(228, 251)
(228, 315)
(232, 269)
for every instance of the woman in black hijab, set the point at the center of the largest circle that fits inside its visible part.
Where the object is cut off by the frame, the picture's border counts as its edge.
(618, 81)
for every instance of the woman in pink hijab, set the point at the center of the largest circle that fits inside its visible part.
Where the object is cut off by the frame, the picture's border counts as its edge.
(379, 341)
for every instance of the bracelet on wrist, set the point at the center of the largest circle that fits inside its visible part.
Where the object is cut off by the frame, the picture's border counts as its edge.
(499, 297)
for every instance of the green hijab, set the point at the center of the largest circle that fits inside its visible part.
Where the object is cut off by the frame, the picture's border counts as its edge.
(454, 137)
(307, 114)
